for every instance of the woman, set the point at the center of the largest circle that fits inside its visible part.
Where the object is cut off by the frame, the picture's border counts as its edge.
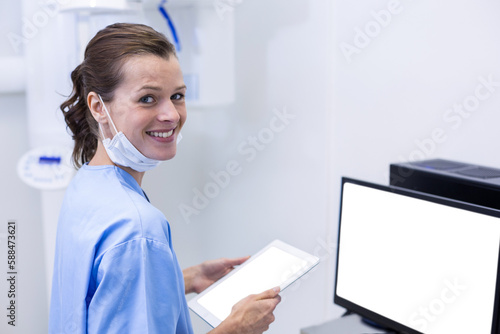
(115, 269)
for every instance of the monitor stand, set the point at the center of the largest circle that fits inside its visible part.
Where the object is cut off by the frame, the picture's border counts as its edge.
(349, 324)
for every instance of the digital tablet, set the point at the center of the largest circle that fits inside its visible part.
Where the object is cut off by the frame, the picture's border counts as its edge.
(277, 264)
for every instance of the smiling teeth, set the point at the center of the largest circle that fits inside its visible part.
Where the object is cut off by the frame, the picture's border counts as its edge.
(161, 134)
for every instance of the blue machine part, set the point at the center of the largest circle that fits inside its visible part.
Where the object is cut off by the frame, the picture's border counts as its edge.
(163, 11)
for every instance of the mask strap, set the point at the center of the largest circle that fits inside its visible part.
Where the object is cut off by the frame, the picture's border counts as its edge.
(107, 113)
(102, 133)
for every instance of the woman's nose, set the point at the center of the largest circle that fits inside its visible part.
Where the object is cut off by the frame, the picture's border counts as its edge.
(168, 112)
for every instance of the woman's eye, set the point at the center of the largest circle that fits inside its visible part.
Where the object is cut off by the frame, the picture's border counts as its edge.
(146, 99)
(177, 96)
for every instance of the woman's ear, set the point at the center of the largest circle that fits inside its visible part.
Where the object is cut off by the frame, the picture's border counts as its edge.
(98, 111)
(96, 108)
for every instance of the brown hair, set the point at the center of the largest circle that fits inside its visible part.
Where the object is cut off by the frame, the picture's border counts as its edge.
(101, 72)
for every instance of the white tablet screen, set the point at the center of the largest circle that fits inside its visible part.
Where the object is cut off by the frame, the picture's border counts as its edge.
(274, 267)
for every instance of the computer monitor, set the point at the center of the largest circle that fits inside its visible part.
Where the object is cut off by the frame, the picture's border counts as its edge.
(417, 263)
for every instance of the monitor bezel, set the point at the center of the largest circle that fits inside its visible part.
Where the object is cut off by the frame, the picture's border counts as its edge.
(378, 318)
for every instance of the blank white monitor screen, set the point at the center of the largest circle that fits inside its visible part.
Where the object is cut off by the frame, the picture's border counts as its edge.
(429, 267)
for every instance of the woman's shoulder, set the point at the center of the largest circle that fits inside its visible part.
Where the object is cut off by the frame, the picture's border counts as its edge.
(103, 182)
(107, 203)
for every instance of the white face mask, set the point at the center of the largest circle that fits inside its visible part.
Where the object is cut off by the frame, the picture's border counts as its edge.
(121, 151)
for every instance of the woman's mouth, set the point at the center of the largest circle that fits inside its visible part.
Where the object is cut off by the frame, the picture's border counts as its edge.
(158, 134)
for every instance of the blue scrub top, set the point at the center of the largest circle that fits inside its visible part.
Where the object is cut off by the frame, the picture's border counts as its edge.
(115, 270)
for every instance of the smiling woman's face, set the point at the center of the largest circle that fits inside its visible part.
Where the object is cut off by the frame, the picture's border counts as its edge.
(148, 106)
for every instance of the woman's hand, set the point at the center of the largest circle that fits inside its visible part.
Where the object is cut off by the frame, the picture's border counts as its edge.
(200, 277)
(251, 315)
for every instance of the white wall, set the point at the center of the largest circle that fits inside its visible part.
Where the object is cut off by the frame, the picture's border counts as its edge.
(400, 88)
